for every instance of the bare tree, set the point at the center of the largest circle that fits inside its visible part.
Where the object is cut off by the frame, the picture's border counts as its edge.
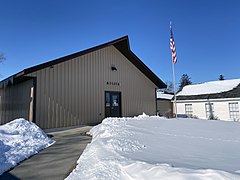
(2, 57)
(169, 87)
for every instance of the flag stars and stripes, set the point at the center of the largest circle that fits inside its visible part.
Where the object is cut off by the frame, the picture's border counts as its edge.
(172, 46)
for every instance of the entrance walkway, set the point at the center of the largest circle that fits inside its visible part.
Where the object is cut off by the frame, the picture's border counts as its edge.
(56, 161)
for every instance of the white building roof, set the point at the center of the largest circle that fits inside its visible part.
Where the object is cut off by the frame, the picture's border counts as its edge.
(209, 87)
(162, 95)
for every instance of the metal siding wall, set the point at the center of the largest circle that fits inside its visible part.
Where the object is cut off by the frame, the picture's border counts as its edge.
(15, 101)
(72, 92)
(163, 106)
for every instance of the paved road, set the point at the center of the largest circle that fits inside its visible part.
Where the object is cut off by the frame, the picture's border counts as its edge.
(56, 161)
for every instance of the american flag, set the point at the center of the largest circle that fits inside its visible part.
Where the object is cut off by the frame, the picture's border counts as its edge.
(172, 46)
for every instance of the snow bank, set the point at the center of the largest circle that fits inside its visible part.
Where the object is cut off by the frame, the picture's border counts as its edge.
(20, 139)
(209, 87)
(146, 147)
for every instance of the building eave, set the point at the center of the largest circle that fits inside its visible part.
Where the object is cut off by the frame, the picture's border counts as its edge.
(234, 93)
(208, 100)
(122, 44)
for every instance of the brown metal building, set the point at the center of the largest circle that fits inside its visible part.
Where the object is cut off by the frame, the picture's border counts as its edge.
(164, 104)
(81, 88)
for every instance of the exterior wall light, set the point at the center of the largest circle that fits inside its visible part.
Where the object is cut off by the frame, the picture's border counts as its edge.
(113, 68)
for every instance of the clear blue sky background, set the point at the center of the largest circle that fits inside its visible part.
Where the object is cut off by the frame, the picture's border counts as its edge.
(206, 32)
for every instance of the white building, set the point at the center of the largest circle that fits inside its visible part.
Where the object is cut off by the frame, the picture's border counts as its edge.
(218, 98)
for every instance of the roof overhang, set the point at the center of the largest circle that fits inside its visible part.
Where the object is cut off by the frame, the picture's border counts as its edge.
(122, 44)
(234, 93)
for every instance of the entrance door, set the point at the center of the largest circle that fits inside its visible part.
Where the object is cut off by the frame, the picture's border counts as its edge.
(112, 104)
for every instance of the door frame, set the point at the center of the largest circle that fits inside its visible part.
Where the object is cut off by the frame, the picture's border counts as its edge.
(120, 102)
(34, 98)
(32, 105)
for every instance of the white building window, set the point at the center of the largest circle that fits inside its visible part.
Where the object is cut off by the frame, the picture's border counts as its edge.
(234, 111)
(209, 110)
(188, 109)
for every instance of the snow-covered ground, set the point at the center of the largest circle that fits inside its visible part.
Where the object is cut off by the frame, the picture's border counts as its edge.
(146, 147)
(20, 139)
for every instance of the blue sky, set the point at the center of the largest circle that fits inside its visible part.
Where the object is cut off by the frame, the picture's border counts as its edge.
(206, 32)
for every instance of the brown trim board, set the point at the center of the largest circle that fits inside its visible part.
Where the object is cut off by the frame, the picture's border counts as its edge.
(122, 44)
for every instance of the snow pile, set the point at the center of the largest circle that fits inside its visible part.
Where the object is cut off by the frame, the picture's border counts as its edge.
(146, 147)
(20, 139)
(162, 95)
(209, 87)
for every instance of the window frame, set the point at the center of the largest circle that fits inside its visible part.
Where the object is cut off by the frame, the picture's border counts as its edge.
(188, 110)
(207, 109)
(234, 111)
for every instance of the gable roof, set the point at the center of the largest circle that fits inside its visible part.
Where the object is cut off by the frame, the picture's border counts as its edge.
(211, 90)
(122, 44)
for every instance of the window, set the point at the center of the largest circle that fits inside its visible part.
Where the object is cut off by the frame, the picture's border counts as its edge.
(209, 109)
(188, 109)
(107, 99)
(234, 111)
(115, 100)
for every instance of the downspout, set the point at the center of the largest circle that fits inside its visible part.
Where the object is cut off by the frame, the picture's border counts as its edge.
(156, 101)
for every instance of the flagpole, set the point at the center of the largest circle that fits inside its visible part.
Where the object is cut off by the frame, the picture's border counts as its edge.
(173, 74)
(174, 88)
